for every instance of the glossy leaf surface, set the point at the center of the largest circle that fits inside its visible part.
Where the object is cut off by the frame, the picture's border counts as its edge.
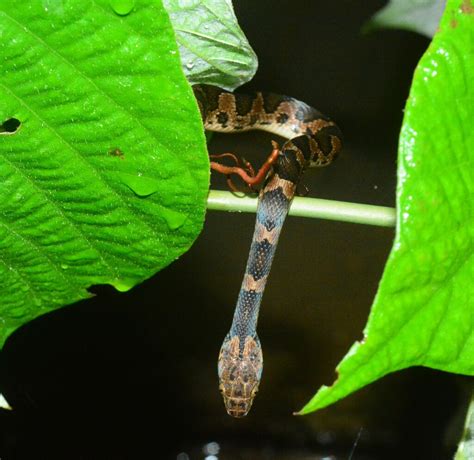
(213, 48)
(105, 180)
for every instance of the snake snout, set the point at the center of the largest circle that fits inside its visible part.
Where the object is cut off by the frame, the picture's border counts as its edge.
(239, 391)
(239, 385)
(236, 407)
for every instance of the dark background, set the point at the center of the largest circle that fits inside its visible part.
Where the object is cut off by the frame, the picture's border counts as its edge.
(132, 376)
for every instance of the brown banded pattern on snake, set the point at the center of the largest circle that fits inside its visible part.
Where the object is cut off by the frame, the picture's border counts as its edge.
(314, 140)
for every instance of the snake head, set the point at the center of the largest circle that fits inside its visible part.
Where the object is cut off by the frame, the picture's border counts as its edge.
(239, 369)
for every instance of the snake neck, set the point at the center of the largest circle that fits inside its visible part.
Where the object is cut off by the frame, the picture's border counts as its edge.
(273, 205)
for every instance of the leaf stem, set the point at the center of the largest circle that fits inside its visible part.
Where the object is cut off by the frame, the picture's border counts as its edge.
(309, 207)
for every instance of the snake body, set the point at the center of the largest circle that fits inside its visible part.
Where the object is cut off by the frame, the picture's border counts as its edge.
(314, 140)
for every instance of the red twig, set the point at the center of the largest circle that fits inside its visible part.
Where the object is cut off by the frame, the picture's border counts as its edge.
(247, 172)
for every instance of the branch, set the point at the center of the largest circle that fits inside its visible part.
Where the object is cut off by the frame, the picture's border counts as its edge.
(309, 207)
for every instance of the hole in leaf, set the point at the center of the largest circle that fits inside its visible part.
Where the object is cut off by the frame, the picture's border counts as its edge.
(10, 126)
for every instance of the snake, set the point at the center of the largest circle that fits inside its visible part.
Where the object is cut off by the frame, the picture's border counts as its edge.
(313, 140)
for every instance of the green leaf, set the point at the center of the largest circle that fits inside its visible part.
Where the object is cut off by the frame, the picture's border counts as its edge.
(423, 311)
(420, 16)
(3, 403)
(213, 48)
(106, 178)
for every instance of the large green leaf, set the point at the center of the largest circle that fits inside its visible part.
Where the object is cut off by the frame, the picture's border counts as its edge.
(213, 48)
(423, 313)
(105, 181)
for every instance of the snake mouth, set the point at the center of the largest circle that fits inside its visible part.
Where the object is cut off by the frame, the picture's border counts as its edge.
(237, 402)
(238, 407)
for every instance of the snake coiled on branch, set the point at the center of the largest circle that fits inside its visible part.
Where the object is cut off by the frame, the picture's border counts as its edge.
(313, 140)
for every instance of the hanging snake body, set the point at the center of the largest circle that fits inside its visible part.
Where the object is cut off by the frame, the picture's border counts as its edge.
(314, 140)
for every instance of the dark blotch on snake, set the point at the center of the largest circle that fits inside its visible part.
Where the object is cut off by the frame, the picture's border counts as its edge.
(223, 118)
(243, 104)
(258, 261)
(272, 101)
(288, 167)
(207, 97)
(275, 197)
(323, 138)
(282, 118)
(303, 144)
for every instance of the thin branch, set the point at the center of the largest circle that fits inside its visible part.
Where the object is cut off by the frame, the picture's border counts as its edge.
(309, 207)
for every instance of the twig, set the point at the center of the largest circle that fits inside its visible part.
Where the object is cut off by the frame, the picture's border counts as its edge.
(309, 207)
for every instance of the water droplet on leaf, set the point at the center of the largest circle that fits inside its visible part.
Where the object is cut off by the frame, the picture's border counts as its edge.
(174, 219)
(189, 65)
(122, 7)
(141, 185)
(124, 284)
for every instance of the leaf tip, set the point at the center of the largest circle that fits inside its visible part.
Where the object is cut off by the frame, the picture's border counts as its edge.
(4, 404)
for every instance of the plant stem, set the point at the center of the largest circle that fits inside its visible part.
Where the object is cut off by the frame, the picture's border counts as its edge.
(309, 207)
